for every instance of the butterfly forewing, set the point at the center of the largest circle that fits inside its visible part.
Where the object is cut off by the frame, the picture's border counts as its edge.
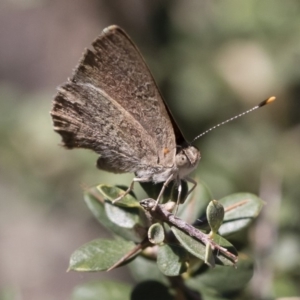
(113, 106)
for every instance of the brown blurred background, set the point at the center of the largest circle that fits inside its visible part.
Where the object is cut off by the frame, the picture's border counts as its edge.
(212, 59)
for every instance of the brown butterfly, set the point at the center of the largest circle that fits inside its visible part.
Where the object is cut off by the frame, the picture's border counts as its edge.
(112, 106)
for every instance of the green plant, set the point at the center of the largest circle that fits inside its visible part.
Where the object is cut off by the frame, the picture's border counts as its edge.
(169, 258)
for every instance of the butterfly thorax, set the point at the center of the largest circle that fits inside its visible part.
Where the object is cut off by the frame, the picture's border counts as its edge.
(186, 160)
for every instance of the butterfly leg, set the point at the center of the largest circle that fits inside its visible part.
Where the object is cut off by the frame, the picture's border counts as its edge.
(170, 178)
(130, 188)
(194, 182)
(188, 179)
(178, 196)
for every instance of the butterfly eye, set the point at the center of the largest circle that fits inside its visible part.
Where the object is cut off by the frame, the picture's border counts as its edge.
(181, 160)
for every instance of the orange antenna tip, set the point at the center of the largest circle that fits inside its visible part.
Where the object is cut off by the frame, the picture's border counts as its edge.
(267, 101)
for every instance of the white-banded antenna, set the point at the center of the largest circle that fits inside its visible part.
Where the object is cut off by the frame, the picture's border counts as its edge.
(261, 104)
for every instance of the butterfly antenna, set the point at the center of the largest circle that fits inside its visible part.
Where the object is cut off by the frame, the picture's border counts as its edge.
(261, 104)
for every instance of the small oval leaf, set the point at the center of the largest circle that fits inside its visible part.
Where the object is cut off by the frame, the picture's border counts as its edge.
(112, 192)
(156, 233)
(95, 203)
(172, 260)
(215, 215)
(122, 216)
(240, 210)
(99, 255)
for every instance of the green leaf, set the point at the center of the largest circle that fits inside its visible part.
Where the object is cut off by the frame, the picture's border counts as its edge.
(95, 203)
(111, 193)
(156, 233)
(224, 280)
(124, 217)
(143, 269)
(215, 215)
(247, 209)
(104, 290)
(198, 249)
(172, 259)
(195, 206)
(220, 258)
(190, 244)
(151, 290)
(99, 255)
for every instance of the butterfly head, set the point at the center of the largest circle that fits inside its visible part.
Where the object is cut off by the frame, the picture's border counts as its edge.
(187, 160)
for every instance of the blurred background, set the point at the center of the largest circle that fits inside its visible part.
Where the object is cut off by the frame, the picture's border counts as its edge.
(212, 60)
